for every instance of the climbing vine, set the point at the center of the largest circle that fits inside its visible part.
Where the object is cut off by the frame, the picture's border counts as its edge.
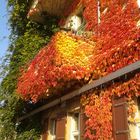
(98, 112)
(26, 39)
(98, 107)
(117, 39)
(115, 43)
(114, 46)
(54, 66)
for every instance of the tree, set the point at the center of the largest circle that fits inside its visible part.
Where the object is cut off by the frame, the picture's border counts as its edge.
(26, 39)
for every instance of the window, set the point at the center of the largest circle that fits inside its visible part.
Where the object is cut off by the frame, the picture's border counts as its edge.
(35, 4)
(138, 1)
(134, 119)
(138, 24)
(75, 126)
(75, 21)
(53, 129)
(57, 128)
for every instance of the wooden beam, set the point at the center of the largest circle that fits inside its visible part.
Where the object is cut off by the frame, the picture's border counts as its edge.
(44, 107)
(94, 84)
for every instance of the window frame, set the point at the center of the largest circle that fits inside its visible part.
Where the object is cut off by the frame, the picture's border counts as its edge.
(74, 133)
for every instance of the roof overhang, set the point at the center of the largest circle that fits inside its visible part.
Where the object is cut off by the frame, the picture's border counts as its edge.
(49, 7)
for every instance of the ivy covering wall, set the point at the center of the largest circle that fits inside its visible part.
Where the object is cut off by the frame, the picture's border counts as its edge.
(113, 44)
(117, 44)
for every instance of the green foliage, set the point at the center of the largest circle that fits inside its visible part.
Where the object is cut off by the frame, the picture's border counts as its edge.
(28, 135)
(26, 39)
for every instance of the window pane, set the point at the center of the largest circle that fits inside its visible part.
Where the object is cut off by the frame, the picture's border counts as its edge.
(53, 129)
(75, 137)
(75, 126)
(76, 121)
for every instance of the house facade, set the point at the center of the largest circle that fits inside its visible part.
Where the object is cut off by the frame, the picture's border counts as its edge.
(92, 87)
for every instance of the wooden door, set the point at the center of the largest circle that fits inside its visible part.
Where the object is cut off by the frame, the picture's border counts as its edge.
(45, 129)
(120, 123)
(82, 124)
(60, 128)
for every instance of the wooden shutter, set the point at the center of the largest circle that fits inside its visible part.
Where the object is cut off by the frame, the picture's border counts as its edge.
(120, 123)
(45, 129)
(60, 128)
(82, 124)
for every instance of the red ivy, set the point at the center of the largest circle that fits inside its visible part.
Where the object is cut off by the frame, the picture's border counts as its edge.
(54, 66)
(68, 58)
(117, 45)
(98, 107)
(117, 36)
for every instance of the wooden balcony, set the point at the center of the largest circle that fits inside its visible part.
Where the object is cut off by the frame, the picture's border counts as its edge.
(41, 8)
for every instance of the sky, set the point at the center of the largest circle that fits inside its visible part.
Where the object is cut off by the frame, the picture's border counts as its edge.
(4, 32)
